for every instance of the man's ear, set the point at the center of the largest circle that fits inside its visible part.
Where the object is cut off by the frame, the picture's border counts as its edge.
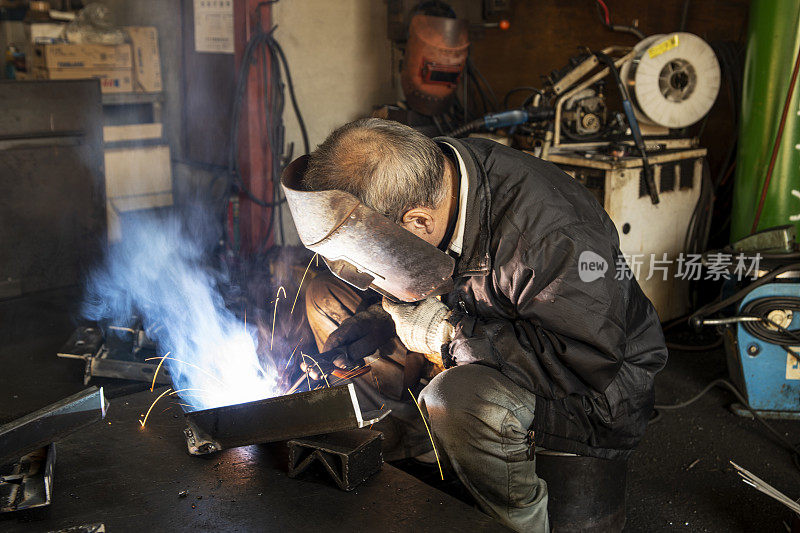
(418, 221)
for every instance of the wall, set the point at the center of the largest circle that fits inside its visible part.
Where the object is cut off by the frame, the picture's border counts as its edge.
(340, 60)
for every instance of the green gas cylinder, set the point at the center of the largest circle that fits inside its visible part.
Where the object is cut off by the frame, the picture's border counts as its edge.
(773, 38)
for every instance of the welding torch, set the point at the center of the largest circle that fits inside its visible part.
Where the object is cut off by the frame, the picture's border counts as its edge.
(324, 365)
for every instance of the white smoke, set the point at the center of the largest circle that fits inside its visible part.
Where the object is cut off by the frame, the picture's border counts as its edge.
(161, 272)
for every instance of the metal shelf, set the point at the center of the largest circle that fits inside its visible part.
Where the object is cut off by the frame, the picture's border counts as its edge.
(132, 98)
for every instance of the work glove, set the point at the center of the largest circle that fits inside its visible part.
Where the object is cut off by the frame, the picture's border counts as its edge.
(422, 326)
(357, 337)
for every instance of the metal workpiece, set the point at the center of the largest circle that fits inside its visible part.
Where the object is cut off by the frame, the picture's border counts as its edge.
(28, 482)
(123, 357)
(276, 419)
(51, 423)
(350, 457)
(105, 365)
(84, 342)
(363, 247)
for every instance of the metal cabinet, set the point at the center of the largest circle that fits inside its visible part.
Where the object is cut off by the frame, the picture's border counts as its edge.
(52, 193)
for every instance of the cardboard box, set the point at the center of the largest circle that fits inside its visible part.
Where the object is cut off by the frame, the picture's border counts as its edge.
(82, 56)
(44, 32)
(111, 80)
(146, 59)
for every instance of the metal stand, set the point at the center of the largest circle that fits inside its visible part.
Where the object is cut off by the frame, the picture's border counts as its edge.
(350, 457)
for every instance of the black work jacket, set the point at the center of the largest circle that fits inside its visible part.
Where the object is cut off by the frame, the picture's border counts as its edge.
(588, 350)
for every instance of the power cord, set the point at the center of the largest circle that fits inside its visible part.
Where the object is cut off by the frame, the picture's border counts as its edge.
(264, 49)
(794, 449)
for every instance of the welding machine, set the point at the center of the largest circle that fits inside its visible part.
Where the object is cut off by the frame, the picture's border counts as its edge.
(762, 337)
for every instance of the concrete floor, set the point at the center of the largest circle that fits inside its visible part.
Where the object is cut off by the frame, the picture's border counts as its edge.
(679, 479)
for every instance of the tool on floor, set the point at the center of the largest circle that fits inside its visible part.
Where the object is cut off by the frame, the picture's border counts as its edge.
(765, 488)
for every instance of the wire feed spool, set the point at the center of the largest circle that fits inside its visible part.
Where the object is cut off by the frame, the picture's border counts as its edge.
(673, 79)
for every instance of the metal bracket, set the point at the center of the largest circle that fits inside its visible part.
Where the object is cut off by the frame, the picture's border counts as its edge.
(89, 345)
(350, 457)
(28, 482)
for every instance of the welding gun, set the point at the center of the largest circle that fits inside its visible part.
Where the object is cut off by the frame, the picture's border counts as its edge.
(323, 365)
(505, 119)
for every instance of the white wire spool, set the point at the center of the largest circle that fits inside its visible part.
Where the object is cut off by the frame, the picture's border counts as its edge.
(673, 79)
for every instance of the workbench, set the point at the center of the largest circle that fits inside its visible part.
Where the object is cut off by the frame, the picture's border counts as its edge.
(133, 479)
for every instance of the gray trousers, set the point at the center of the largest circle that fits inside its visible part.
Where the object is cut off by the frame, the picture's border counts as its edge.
(479, 418)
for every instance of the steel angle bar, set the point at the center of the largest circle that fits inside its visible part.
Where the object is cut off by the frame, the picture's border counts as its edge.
(275, 419)
(51, 423)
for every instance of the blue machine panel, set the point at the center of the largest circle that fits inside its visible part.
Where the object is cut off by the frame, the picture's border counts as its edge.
(771, 375)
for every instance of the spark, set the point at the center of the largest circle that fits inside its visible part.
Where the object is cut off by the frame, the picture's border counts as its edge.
(121, 328)
(435, 452)
(173, 393)
(348, 374)
(291, 356)
(275, 313)
(152, 386)
(190, 364)
(301, 282)
(143, 422)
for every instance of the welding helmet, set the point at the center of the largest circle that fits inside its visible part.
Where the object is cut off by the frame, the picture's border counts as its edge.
(363, 247)
(434, 59)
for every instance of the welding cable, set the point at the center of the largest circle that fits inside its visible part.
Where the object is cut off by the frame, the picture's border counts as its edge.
(531, 90)
(684, 15)
(473, 70)
(605, 20)
(762, 307)
(627, 106)
(794, 449)
(697, 232)
(694, 347)
(696, 319)
(263, 49)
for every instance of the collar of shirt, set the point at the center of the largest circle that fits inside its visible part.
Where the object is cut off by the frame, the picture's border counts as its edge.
(457, 242)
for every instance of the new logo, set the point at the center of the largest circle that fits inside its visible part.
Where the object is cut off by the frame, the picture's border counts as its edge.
(591, 266)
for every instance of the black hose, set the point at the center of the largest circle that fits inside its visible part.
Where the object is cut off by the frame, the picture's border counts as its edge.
(793, 448)
(467, 128)
(709, 309)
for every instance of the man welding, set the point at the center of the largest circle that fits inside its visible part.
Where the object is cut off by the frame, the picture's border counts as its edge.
(510, 347)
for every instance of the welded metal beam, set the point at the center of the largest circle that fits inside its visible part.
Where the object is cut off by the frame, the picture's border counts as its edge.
(275, 419)
(51, 423)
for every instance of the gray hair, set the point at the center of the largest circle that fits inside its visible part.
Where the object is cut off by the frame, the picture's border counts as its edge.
(390, 167)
